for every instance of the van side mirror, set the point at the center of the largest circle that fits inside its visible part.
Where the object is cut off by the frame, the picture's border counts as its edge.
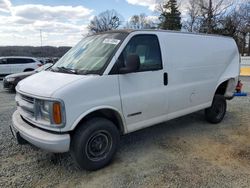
(132, 65)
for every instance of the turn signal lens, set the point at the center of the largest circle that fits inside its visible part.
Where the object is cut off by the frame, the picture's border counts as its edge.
(57, 113)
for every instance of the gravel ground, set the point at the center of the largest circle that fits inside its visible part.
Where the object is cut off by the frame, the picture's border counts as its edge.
(185, 152)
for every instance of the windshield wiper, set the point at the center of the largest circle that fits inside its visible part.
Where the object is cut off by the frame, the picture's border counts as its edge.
(86, 72)
(66, 70)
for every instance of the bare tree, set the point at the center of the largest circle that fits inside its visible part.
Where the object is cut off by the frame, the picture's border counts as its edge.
(105, 21)
(244, 26)
(212, 11)
(205, 15)
(220, 17)
(140, 22)
(193, 15)
(248, 52)
(236, 24)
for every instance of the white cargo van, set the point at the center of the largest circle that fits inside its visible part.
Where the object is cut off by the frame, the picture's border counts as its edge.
(114, 83)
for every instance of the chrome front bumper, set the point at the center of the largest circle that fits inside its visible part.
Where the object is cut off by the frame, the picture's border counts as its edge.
(57, 143)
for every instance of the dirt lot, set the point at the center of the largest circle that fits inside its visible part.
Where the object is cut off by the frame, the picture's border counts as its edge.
(186, 152)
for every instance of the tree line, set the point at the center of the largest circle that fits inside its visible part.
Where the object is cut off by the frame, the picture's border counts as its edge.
(222, 17)
(45, 51)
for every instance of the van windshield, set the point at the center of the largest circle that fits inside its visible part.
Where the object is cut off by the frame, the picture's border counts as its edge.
(91, 55)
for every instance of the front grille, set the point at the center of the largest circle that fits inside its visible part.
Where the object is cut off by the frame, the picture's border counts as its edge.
(31, 109)
(25, 105)
(28, 99)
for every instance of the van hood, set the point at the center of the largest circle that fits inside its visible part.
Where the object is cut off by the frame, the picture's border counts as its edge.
(45, 83)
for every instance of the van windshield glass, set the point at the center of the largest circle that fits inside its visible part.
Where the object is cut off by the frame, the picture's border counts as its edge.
(91, 55)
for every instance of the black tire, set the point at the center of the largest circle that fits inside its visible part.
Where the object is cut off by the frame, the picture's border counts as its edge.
(94, 143)
(217, 111)
(13, 89)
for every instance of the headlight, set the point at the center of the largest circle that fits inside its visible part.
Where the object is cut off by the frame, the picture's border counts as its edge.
(45, 111)
(11, 79)
(50, 113)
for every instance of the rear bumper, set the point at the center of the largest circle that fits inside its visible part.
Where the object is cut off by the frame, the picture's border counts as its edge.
(57, 143)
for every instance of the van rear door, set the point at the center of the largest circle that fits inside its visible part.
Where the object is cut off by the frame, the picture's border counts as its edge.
(143, 93)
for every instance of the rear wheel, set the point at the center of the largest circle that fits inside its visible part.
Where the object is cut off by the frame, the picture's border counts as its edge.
(216, 112)
(94, 143)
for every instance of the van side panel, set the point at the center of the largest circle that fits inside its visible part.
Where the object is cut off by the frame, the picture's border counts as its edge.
(233, 69)
(196, 65)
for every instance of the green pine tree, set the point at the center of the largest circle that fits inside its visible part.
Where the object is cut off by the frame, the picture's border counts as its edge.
(170, 17)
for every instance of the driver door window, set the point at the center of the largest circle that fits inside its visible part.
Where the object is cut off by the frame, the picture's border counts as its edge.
(147, 48)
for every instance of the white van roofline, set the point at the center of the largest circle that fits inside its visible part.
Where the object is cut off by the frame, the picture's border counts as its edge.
(161, 30)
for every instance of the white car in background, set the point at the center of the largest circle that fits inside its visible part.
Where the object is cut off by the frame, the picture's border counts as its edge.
(15, 64)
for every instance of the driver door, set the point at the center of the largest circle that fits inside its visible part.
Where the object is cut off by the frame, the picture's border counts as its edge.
(143, 93)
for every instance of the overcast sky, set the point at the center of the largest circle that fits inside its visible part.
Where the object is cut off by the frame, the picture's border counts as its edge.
(62, 22)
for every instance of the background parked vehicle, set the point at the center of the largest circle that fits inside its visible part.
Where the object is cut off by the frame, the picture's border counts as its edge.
(45, 60)
(15, 64)
(10, 81)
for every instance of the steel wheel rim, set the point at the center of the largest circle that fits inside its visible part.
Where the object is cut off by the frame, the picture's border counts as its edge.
(98, 145)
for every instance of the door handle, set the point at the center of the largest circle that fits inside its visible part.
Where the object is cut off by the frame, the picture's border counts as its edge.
(165, 78)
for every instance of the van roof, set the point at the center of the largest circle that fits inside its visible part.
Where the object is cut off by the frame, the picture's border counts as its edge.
(168, 31)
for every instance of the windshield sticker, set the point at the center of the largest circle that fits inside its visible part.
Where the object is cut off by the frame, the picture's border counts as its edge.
(111, 41)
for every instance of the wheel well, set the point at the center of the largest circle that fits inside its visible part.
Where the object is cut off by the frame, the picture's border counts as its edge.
(26, 70)
(108, 114)
(221, 89)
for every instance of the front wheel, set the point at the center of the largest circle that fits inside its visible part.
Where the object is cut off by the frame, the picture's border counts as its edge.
(94, 143)
(216, 112)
